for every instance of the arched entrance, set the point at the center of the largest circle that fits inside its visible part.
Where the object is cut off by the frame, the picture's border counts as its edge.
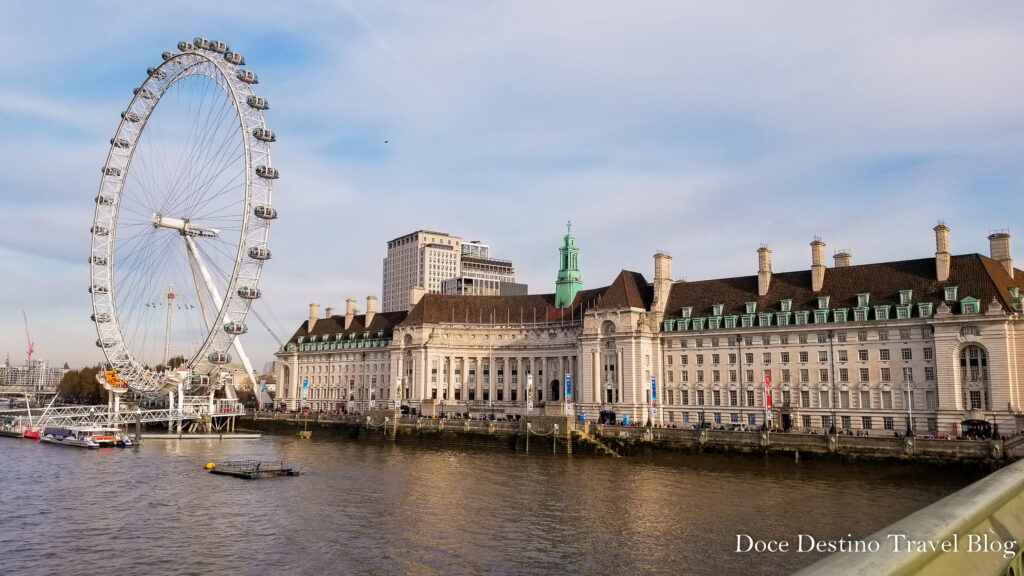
(974, 378)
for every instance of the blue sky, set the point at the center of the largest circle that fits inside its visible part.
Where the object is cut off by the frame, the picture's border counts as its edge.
(703, 129)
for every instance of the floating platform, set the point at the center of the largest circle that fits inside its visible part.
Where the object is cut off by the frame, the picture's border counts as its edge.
(252, 469)
(183, 436)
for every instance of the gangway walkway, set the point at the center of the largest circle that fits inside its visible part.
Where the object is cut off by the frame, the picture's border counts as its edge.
(71, 415)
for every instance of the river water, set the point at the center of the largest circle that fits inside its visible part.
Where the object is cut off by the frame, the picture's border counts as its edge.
(367, 507)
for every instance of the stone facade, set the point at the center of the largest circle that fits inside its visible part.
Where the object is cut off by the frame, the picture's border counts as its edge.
(869, 347)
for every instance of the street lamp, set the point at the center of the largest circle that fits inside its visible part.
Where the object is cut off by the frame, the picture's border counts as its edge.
(832, 379)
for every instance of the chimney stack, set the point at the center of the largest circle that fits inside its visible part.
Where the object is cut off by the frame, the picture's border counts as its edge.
(415, 293)
(942, 256)
(999, 247)
(314, 313)
(842, 258)
(328, 312)
(817, 264)
(764, 270)
(662, 280)
(350, 312)
(371, 309)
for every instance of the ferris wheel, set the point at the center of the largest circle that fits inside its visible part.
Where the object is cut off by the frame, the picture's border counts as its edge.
(184, 200)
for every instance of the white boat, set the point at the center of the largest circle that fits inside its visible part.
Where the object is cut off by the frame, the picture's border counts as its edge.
(85, 435)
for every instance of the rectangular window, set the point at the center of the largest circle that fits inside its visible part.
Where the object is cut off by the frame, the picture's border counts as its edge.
(906, 354)
(750, 397)
(733, 398)
(785, 375)
(714, 359)
(748, 358)
(929, 353)
(883, 354)
(862, 336)
(823, 399)
(732, 375)
(929, 373)
(732, 358)
(700, 359)
(864, 376)
(716, 376)
(766, 358)
(822, 356)
(865, 399)
(700, 397)
(805, 375)
(766, 340)
(805, 398)
(785, 357)
(684, 396)
(905, 334)
(883, 334)
(684, 376)
(865, 422)
(807, 421)
(670, 376)
(908, 374)
(976, 399)
(931, 399)
(803, 357)
(751, 419)
(786, 398)
(684, 360)
(844, 375)
(822, 338)
(802, 338)
(886, 400)
(826, 422)
(716, 396)
(886, 377)
(700, 375)
(846, 422)
(862, 355)
(750, 375)
(823, 375)
(669, 359)
(842, 356)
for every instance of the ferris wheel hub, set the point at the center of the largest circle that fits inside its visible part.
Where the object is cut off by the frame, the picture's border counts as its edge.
(184, 226)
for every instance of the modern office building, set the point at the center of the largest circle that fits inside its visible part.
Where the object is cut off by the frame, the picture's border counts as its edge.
(929, 345)
(438, 263)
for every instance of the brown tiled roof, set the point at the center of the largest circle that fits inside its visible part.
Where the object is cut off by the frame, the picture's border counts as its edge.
(629, 290)
(973, 274)
(385, 321)
(445, 308)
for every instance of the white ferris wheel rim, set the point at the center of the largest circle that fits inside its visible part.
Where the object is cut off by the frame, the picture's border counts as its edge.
(191, 62)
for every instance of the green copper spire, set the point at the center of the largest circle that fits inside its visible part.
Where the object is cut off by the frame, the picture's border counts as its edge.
(569, 281)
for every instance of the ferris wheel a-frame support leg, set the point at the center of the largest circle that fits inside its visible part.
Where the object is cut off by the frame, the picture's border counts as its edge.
(211, 289)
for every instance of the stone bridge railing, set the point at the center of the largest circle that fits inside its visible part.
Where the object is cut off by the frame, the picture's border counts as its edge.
(977, 530)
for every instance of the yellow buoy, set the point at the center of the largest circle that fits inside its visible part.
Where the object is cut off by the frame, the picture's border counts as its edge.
(210, 465)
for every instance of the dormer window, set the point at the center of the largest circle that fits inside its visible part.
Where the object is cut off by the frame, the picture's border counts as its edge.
(764, 319)
(839, 315)
(820, 316)
(863, 299)
(747, 320)
(860, 314)
(730, 321)
(786, 305)
(716, 310)
(905, 297)
(698, 323)
(902, 312)
(801, 317)
(301, 339)
(881, 312)
(686, 311)
(751, 307)
(950, 293)
(970, 305)
(1014, 293)
(782, 318)
(714, 322)
(823, 302)
(924, 309)
(668, 325)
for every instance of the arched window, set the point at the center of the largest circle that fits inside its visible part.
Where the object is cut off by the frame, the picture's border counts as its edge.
(974, 377)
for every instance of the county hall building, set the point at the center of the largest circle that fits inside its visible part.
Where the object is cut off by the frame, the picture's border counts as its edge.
(929, 345)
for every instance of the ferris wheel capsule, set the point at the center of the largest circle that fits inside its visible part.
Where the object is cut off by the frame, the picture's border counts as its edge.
(112, 171)
(98, 260)
(235, 58)
(120, 142)
(156, 73)
(104, 343)
(249, 293)
(264, 135)
(265, 212)
(131, 116)
(247, 76)
(267, 172)
(101, 317)
(259, 253)
(257, 102)
(186, 46)
(168, 55)
(219, 357)
(202, 43)
(218, 47)
(98, 290)
(99, 231)
(143, 93)
(104, 200)
(235, 328)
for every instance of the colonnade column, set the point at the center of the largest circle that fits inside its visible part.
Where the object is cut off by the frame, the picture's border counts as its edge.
(619, 374)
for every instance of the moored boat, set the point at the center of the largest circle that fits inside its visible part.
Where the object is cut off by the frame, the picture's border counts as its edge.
(85, 436)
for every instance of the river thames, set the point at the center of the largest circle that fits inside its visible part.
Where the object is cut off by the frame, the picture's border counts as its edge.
(365, 507)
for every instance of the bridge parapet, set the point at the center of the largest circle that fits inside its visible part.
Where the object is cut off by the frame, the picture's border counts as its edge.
(977, 530)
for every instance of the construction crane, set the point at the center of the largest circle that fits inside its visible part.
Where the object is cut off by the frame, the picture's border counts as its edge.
(31, 344)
